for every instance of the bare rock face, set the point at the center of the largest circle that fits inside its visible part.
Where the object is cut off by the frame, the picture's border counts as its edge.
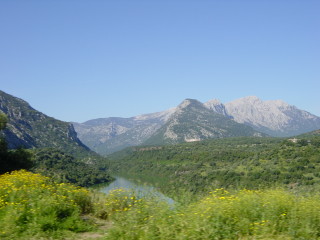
(30, 128)
(195, 121)
(274, 117)
(107, 135)
(216, 106)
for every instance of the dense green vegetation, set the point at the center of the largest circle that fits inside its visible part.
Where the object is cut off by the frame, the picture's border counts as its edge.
(208, 179)
(60, 166)
(233, 163)
(269, 214)
(54, 163)
(34, 207)
(3, 121)
(12, 159)
(65, 168)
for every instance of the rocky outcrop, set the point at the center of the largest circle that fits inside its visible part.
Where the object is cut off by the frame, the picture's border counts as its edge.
(218, 107)
(274, 117)
(193, 121)
(107, 135)
(30, 128)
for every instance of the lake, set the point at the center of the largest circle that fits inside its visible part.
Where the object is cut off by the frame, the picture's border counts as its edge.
(141, 189)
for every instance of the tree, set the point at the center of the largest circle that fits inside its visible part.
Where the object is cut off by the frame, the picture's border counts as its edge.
(3, 121)
(12, 159)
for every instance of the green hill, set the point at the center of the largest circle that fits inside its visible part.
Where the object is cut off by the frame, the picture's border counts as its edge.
(245, 162)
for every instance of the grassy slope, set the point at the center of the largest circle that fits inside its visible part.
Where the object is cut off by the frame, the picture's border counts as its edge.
(33, 207)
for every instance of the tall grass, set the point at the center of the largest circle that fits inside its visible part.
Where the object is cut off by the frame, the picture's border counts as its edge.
(33, 206)
(270, 214)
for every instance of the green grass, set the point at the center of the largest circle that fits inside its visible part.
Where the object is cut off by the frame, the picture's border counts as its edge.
(270, 214)
(34, 207)
(31, 206)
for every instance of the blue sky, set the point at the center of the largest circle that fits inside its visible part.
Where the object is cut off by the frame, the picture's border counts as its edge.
(77, 60)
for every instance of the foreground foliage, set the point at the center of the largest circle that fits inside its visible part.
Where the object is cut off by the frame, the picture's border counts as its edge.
(33, 207)
(270, 214)
(14, 159)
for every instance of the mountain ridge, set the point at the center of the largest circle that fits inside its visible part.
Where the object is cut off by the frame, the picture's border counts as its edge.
(272, 117)
(30, 128)
(193, 121)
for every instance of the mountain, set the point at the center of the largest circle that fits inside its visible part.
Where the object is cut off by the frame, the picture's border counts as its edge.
(315, 133)
(194, 121)
(275, 117)
(30, 128)
(218, 107)
(107, 135)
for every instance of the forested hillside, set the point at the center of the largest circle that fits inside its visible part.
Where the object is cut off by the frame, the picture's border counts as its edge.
(63, 167)
(233, 163)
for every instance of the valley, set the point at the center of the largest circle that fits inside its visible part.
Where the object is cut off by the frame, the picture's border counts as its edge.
(208, 166)
(159, 120)
(230, 163)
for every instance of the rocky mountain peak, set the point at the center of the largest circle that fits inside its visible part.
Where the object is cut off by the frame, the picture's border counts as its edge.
(279, 104)
(193, 121)
(161, 116)
(249, 99)
(213, 102)
(189, 102)
(216, 106)
(274, 117)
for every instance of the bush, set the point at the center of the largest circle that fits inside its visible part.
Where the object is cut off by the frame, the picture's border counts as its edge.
(32, 205)
(269, 214)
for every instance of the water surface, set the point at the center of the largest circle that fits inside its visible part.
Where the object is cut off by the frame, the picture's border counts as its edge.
(141, 189)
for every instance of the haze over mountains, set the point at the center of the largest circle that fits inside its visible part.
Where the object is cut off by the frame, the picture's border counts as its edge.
(193, 121)
(189, 121)
(274, 117)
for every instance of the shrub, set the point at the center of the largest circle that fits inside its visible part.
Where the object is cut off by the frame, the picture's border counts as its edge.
(30, 204)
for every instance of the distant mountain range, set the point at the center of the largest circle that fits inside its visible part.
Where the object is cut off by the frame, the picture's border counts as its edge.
(276, 118)
(194, 121)
(107, 135)
(30, 128)
(189, 121)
